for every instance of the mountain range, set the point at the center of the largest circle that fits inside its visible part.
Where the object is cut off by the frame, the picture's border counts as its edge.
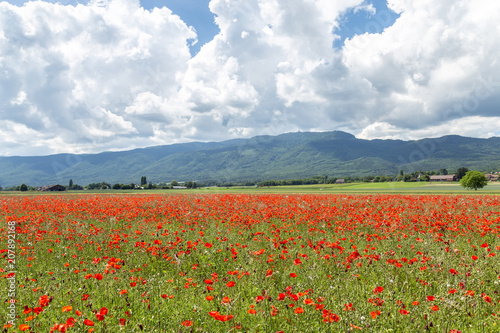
(285, 156)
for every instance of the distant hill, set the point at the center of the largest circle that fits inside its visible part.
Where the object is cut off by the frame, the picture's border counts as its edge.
(286, 156)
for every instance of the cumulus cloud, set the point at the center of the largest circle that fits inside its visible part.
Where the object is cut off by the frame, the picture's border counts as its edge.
(112, 76)
(77, 72)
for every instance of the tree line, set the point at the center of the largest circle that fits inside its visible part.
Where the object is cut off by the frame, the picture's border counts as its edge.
(319, 179)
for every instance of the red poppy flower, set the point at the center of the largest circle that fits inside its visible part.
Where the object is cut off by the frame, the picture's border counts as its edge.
(38, 310)
(187, 323)
(431, 298)
(98, 276)
(230, 284)
(293, 275)
(378, 290)
(404, 312)
(122, 321)
(88, 322)
(299, 310)
(70, 322)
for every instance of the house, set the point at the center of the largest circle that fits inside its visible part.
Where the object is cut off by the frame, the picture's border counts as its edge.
(179, 187)
(491, 177)
(443, 178)
(340, 181)
(52, 188)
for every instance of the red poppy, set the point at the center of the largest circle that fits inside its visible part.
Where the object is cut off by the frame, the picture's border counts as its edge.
(70, 322)
(431, 298)
(378, 290)
(404, 312)
(293, 275)
(88, 322)
(38, 310)
(374, 314)
(123, 321)
(230, 284)
(187, 323)
(299, 310)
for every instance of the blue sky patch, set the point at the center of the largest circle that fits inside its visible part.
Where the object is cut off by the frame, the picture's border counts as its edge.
(358, 21)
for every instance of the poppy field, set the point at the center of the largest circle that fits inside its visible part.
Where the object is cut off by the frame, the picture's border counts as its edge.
(250, 263)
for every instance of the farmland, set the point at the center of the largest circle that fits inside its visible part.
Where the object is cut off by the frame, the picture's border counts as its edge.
(250, 262)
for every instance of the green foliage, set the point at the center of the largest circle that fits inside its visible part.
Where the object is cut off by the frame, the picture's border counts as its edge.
(143, 180)
(474, 180)
(174, 183)
(98, 186)
(461, 172)
(23, 187)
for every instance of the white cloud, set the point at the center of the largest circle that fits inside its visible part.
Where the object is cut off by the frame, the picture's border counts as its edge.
(112, 76)
(74, 70)
(473, 126)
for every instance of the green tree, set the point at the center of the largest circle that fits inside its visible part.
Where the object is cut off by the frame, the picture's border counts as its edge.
(143, 181)
(23, 187)
(443, 172)
(70, 187)
(461, 172)
(474, 180)
(174, 183)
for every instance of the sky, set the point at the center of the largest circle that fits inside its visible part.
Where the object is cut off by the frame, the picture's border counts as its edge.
(108, 75)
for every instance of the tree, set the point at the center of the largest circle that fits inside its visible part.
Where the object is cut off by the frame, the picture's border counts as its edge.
(474, 180)
(174, 183)
(143, 181)
(443, 172)
(461, 172)
(70, 187)
(23, 187)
